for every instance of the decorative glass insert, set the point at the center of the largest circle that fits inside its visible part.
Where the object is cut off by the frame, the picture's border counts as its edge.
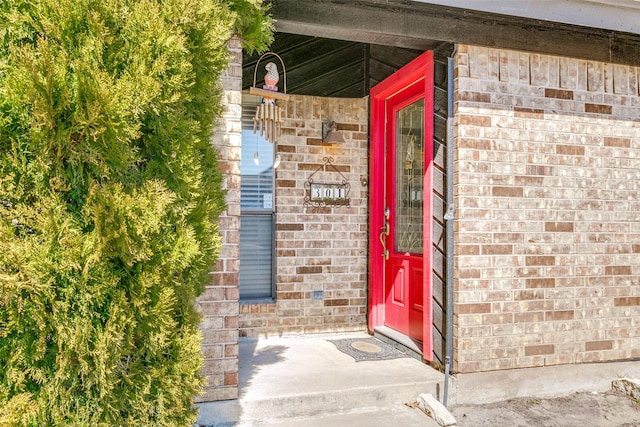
(409, 171)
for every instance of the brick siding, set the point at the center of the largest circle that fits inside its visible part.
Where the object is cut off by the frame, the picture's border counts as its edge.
(321, 254)
(548, 225)
(219, 302)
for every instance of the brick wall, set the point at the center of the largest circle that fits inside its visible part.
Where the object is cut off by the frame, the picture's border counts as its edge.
(321, 254)
(548, 226)
(219, 302)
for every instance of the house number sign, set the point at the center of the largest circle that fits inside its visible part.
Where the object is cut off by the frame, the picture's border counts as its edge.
(328, 192)
(320, 194)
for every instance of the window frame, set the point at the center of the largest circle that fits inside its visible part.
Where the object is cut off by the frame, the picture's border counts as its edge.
(247, 127)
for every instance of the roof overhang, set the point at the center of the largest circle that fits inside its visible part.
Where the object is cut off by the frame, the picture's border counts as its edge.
(614, 15)
(417, 24)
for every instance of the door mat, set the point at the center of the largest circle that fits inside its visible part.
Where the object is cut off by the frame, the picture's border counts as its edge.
(365, 349)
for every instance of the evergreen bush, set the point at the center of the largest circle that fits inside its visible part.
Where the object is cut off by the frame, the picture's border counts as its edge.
(109, 195)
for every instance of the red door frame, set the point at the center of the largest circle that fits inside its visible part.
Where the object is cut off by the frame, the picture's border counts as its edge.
(420, 69)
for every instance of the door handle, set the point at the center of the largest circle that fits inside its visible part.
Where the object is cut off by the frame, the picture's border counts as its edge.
(384, 233)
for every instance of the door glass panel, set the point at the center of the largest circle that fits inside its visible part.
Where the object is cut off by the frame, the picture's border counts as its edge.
(409, 169)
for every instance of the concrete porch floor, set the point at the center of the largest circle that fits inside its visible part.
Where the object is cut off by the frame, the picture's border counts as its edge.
(306, 380)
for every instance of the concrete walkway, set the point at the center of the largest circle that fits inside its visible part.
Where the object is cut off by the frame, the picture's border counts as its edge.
(307, 381)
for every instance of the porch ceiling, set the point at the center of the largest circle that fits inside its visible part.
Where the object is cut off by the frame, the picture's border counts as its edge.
(328, 67)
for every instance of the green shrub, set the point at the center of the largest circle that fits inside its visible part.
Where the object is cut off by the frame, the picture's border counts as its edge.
(109, 195)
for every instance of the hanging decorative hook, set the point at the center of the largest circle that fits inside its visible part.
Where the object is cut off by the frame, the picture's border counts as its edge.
(269, 115)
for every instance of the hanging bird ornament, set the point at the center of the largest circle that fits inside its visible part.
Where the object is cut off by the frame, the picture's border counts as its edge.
(269, 115)
(272, 77)
(268, 118)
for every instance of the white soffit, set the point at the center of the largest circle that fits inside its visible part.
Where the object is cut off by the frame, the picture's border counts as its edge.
(616, 15)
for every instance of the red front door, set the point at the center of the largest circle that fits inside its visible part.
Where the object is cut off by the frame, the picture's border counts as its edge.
(401, 158)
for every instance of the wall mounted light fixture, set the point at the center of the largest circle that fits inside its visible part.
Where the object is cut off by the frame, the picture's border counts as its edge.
(331, 134)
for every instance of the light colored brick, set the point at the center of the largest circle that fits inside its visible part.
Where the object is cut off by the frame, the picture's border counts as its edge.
(545, 235)
(218, 393)
(318, 250)
(219, 302)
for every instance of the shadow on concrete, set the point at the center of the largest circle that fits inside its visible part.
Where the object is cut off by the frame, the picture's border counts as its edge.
(252, 359)
(306, 380)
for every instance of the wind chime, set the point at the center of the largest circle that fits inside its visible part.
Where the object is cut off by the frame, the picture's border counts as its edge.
(269, 115)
